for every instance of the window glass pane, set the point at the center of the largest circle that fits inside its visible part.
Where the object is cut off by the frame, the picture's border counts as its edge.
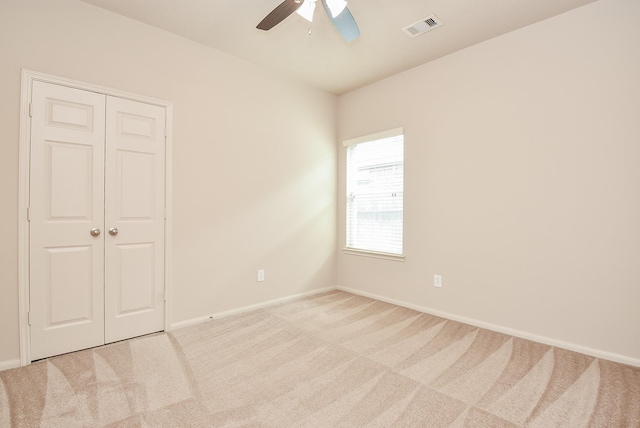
(375, 182)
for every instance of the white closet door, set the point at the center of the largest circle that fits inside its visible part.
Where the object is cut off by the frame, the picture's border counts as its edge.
(134, 219)
(66, 203)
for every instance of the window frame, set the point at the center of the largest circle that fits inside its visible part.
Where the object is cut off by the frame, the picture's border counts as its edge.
(395, 132)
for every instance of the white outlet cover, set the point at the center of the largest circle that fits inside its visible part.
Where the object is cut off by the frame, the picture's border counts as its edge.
(437, 281)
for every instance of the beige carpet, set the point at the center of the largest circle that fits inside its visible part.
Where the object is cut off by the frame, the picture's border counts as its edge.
(331, 360)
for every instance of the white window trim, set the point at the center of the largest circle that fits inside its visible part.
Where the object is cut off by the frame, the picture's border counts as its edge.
(372, 137)
(373, 254)
(368, 253)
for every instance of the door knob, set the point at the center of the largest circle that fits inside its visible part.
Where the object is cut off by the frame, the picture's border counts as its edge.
(113, 231)
(95, 232)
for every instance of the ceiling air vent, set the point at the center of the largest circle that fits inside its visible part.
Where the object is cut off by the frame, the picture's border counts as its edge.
(422, 26)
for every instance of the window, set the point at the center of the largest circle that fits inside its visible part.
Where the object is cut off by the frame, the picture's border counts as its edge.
(375, 183)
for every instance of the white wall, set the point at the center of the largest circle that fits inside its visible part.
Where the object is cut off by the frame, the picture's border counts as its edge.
(254, 156)
(522, 181)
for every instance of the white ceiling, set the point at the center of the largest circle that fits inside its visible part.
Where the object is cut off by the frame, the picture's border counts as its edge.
(323, 58)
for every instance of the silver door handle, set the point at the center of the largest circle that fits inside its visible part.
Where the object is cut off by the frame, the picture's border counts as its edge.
(113, 231)
(95, 232)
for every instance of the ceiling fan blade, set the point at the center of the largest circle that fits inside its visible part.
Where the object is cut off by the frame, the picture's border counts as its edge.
(344, 23)
(277, 15)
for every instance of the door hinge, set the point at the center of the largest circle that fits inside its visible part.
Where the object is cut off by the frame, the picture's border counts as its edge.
(30, 109)
(29, 317)
(165, 213)
(28, 213)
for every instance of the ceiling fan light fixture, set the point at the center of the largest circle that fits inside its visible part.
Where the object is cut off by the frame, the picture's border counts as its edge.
(339, 15)
(336, 7)
(306, 10)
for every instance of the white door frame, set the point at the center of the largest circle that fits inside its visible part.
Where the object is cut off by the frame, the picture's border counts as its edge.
(28, 76)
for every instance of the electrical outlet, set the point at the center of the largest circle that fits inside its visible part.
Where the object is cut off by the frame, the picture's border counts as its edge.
(260, 275)
(437, 281)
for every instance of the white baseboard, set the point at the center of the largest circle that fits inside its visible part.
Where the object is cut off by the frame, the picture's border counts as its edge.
(217, 315)
(9, 364)
(501, 329)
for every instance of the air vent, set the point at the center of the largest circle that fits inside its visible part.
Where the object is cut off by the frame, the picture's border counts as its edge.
(422, 26)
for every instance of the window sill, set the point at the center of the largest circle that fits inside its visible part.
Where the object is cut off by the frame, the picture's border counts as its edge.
(374, 254)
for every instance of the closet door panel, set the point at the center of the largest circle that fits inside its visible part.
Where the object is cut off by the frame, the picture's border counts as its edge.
(66, 203)
(135, 206)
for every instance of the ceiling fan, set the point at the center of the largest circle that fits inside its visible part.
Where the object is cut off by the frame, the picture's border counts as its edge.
(336, 10)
